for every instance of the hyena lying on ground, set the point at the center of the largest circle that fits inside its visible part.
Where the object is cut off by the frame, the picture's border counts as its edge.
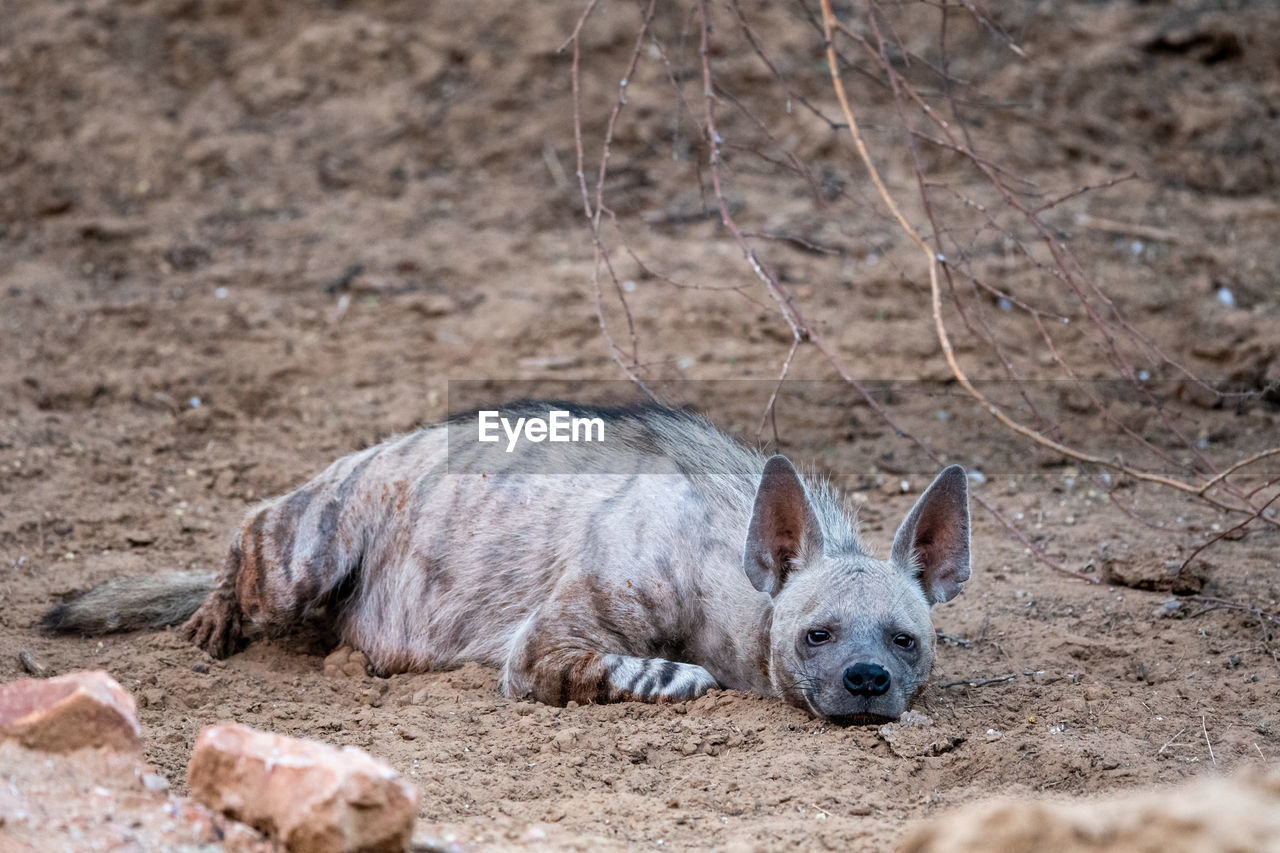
(665, 561)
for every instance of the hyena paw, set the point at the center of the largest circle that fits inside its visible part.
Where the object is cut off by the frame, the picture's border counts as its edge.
(696, 682)
(658, 680)
(215, 627)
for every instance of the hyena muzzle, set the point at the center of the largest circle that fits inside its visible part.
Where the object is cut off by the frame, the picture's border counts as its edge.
(664, 561)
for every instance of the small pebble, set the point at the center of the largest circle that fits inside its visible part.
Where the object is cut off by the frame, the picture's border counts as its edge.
(154, 782)
(30, 664)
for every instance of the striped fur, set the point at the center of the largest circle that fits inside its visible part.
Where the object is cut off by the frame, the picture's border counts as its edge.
(654, 566)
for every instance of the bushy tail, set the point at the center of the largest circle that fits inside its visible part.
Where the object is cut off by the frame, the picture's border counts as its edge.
(131, 604)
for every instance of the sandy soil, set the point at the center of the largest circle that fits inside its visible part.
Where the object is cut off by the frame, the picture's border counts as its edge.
(187, 188)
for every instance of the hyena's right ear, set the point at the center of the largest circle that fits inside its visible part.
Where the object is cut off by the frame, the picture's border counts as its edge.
(782, 526)
(933, 540)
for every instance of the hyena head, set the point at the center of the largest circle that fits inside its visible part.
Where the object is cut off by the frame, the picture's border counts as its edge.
(852, 639)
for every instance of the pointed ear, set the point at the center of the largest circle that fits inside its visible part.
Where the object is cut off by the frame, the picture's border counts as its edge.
(934, 537)
(782, 526)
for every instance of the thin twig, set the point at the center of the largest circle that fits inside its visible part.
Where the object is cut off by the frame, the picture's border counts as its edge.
(1216, 603)
(1171, 741)
(1225, 533)
(983, 682)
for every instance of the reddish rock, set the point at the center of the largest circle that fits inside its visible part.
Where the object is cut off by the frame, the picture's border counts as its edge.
(69, 712)
(312, 797)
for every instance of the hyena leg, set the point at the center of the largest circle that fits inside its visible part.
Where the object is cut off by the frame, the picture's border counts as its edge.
(215, 627)
(290, 557)
(656, 679)
(585, 676)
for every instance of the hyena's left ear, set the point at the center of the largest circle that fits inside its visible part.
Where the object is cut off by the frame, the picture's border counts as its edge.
(782, 526)
(933, 539)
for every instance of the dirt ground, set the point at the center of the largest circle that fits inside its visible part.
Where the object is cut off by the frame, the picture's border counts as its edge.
(239, 238)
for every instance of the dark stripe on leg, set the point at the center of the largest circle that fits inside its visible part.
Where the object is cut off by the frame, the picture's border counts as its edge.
(666, 675)
(286, 529)
(260, 556)
(634, 685)
(645, 689)
(324, 568)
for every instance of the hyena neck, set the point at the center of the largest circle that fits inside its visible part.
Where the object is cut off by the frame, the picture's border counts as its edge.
(742, 658)
(761, 655)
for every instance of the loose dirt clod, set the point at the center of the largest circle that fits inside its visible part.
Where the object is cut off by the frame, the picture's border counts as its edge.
(345, 662)
(1152, 572)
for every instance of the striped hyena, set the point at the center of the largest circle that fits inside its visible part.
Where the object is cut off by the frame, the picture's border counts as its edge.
(655, 564)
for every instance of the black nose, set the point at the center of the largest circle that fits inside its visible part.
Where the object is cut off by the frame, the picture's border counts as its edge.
(866, 679)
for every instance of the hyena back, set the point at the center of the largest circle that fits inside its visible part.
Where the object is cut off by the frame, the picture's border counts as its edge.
(668, 560)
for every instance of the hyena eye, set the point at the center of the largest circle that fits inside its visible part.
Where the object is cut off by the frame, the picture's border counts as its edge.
(817, 637)
(904, 641)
